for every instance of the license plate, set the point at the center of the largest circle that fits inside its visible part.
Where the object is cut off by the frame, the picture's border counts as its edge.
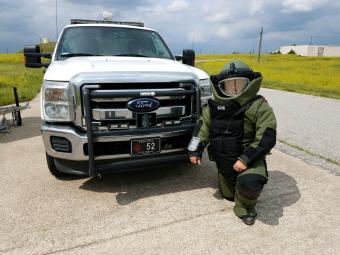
(145, 146)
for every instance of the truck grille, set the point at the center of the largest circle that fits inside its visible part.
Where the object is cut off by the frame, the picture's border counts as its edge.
(109, 105)
(173, 110)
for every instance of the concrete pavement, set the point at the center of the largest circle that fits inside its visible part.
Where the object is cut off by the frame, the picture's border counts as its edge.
(175, 210)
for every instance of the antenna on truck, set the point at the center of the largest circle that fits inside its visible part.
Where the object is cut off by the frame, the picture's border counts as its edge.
(107, 15)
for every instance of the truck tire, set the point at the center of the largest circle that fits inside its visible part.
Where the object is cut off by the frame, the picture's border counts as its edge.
(52, 167)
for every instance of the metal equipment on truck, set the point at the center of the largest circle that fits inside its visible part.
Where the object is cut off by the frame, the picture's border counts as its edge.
(14, 110)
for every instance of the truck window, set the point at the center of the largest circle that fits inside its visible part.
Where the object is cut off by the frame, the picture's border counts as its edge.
(111, 41)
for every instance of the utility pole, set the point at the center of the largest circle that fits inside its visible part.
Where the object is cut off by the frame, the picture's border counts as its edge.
(193, 41)
(40, 42)
(260, 46)
(56, 19)
(311, 40)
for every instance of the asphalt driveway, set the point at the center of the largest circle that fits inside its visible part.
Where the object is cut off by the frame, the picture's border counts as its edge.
(309, 122)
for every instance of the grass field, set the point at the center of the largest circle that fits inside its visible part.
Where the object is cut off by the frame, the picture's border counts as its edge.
(14, 74)
(308, 75)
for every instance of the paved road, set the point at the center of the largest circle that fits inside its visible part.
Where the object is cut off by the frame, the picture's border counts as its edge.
(176, 210)
(310, 122)
(211, 60)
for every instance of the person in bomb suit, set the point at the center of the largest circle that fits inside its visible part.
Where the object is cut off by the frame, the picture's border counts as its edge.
(239, 128)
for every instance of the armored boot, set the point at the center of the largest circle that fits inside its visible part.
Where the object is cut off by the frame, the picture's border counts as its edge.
(248, 189)
(245, 209)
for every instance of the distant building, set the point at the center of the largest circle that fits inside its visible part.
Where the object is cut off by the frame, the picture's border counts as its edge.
(312, 50)
(45, 40)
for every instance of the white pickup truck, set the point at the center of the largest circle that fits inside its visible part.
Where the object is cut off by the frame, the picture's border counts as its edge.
(114, 98)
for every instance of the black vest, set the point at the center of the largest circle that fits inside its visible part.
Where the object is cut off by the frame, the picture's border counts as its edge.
(226, 132)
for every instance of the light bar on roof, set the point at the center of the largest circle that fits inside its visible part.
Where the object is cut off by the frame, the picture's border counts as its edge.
(87, 21)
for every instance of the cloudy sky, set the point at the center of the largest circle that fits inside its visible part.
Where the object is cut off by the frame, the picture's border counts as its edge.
(219, 26)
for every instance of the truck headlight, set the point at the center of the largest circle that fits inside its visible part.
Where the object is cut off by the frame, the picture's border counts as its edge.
(205, 90)
(57, 102)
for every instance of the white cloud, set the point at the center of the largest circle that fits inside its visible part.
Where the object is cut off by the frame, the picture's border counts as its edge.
(196, 36)
(218, 26)
(223, 32)
(257, 6)
(177, 6)
(293, 36)
(224, 10)
(291, 6)
(218, 16)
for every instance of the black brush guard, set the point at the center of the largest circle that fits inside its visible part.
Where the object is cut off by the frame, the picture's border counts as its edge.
(93, 92)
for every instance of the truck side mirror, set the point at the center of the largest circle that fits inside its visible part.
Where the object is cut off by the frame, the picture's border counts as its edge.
(188, 57)
(178, 57)
(33, 56)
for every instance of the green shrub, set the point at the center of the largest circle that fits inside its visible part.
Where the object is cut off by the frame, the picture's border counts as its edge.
(292, 52)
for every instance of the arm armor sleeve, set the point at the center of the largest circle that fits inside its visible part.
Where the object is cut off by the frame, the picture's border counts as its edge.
(200, 135)
(265, 135)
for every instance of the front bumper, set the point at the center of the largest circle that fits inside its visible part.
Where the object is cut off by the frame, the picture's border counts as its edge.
(79, 141)
(119, 165)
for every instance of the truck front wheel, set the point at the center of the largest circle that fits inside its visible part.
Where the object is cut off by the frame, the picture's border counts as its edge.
(52, 167)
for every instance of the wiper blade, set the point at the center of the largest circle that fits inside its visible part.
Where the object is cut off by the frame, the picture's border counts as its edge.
(78, 54)
(130, 55)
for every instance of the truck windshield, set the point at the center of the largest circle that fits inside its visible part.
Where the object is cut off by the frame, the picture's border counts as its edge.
(111, 41)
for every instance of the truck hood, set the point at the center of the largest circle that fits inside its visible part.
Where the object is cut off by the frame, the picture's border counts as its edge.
(122, 69)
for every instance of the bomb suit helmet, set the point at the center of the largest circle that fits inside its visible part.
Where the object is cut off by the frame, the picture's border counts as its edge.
(233, 79)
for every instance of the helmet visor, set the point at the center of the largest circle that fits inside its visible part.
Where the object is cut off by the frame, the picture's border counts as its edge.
(233, 86)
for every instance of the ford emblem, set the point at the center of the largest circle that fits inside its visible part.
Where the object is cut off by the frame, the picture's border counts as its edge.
(143, 105)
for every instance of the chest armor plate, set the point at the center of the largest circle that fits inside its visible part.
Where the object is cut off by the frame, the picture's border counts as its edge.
(226, 132)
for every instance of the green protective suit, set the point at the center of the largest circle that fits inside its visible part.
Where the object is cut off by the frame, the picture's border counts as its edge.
(254, 137)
